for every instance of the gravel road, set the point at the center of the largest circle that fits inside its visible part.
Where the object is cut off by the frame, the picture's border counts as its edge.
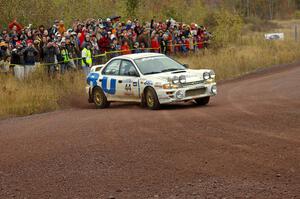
(244, 144)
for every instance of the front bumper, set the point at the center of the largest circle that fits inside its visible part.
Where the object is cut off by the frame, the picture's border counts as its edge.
(187, 93)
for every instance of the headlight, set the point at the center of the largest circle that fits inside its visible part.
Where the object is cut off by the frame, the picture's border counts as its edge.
(179, 94)
(175, 80)
(182, 79)
(214, 89)
(212, 74)
(169, 86)
(206, 76)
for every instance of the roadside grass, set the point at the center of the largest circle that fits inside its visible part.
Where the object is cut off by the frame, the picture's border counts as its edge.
(250, 52)
(246, 56)
(39, 93)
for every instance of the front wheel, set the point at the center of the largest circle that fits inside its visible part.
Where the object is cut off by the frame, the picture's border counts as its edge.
(202, 101)
(99, 98)
(151, 99)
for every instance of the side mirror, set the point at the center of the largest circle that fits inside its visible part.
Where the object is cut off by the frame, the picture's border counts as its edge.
(186, 65)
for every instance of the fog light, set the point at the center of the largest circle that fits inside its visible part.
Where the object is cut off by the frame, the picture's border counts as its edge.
(206, 76)
(179, 94)
(214, 89)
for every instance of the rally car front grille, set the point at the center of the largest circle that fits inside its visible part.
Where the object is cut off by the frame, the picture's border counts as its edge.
(192, 83)
(195, 92)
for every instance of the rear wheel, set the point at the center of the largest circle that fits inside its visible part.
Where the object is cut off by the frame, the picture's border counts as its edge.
(202, 101)
(99, 98)
(151, 99)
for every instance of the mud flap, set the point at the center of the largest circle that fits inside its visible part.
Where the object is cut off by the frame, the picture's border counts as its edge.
(90, 100)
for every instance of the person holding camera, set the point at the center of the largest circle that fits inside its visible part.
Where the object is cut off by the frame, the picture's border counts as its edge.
(50, 51)
(29, 54)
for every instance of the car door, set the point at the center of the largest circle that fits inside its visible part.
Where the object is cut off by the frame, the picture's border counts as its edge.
(128, 82)
(109, 79)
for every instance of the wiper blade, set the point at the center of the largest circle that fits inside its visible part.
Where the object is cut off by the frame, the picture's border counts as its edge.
(170, 69)
(150, 73)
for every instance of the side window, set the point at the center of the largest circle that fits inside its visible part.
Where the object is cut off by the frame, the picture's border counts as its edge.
(128, 69)
(112, 68)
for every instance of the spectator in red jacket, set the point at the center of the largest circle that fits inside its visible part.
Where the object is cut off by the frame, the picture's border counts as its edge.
(14, 25)
(104, 43)
(155, 43)
(125, 48)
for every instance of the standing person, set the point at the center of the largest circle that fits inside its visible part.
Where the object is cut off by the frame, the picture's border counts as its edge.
(61, 27)
(72, 52)
(104, 46)
(50, 52)
(64, 57)
(115, 46)
(136, 48)
(86, 56)
(125, 48)
(17, 61)
(164, 44)
(29, 54)
(4, 57)
(77, 53)
(155, 43)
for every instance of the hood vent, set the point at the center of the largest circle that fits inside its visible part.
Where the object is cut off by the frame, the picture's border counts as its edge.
(180, 71)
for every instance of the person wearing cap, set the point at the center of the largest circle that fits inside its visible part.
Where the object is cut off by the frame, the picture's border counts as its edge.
(72, 51)
(64, 57)
(115, 48)
(75, 42)
(29, 54)
(86, 56)
(136, 48)
(54, 28)
(50, 51)
(17, 60)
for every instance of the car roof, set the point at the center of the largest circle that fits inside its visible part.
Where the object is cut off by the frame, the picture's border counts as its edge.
(139, 55)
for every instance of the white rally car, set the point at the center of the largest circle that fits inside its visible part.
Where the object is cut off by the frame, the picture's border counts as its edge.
(150, 78)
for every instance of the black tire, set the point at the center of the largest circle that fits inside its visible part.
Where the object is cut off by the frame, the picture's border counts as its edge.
(99, 98)
(143, 101)
(202, 101)
(151, 99)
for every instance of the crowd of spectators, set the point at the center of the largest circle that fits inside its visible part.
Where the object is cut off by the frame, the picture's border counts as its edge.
(23, 46)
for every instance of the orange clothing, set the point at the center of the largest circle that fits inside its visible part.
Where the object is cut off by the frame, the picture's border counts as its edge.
(187, 43)
(61, 29)
(125, 49)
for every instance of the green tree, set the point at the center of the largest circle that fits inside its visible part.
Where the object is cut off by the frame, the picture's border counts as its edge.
(131, 7)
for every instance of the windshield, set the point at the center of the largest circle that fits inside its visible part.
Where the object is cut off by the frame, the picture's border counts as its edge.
(159, 64)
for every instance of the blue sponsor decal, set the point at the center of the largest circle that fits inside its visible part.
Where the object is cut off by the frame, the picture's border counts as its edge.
(92, 79)
(112, 89)
(148, 83)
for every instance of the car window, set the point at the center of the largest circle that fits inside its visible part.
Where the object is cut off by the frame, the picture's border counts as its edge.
(112, 68)
(157, 64)
(127, 69)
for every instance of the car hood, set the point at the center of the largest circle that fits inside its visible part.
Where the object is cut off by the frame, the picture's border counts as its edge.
(191, 75)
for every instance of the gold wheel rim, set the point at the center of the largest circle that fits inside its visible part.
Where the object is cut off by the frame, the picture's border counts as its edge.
(98, 98)
(150, 100)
